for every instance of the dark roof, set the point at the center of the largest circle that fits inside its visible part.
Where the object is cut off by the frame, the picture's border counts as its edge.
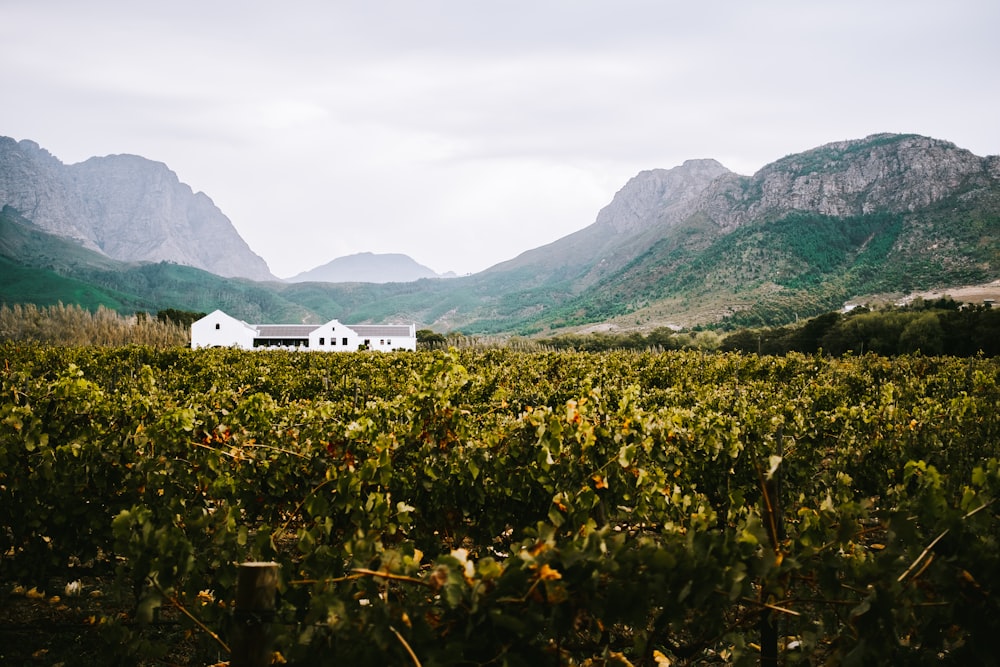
(285, 330)
(303, 330)
(380, 329)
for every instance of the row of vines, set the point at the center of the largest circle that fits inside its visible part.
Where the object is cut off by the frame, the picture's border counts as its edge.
(513, 508)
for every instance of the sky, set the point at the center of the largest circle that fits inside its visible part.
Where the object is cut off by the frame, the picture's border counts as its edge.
(462, 132)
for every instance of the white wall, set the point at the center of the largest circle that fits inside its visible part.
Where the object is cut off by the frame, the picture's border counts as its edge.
(217, 329)
(404, 338)
(220, 330)
(333, 334)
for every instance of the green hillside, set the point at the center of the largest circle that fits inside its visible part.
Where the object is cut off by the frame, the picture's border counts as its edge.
(44, 269)
(728, 251)
(767, 273)
(803, 264)
(25, 284)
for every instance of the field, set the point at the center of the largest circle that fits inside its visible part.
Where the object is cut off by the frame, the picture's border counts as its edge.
(493, 507)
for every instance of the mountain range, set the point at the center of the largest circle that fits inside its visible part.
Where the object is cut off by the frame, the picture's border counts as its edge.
(367, 267)
(692, 245)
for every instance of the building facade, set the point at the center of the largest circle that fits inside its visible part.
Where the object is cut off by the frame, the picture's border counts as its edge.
(217, 329)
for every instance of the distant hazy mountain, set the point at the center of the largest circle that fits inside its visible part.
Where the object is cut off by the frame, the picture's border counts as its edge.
(126, 207)
(366, 267)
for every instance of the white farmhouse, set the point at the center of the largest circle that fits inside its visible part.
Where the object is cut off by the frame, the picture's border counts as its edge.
(217, 329)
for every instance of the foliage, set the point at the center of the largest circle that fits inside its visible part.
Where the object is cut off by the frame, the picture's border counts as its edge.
(662, 338)
(500, 508)
(184, 318)
(935, 327)
(429, 338)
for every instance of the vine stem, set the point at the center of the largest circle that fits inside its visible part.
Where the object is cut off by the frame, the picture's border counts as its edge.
(922, 555)
(359, 572)
(247, 446)
(281, 450)
(176, 603)
(298, 508)
(388, 575)
(929, 547)
(406, 645)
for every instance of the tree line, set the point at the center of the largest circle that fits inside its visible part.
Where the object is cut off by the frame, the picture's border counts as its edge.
(932, 327)
(935, 327)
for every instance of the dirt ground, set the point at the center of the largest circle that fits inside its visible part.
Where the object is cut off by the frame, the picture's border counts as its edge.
(85, 622)
(969, 293)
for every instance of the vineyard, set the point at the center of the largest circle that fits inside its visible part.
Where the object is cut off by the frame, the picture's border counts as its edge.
(494, 507)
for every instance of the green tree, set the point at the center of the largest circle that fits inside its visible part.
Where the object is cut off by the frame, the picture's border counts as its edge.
(182, 317)
(428, 338)
(923, 334)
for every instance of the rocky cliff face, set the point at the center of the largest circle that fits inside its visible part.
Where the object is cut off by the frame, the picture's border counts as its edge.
(884, 172)
(659, 196)
(40, 188)
(125, 206)
(646, 207)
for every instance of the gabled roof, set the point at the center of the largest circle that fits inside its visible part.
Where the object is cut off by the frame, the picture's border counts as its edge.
(217, 312)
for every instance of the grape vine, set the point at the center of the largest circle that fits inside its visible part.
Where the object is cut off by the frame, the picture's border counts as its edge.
(517, 508)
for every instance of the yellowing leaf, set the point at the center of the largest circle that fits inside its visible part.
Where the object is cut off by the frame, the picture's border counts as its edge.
(546, 573)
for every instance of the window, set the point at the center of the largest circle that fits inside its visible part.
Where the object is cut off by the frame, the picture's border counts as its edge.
(322, 341)
(345, 341)
(382, 342)
(388, 341)
(218, 326)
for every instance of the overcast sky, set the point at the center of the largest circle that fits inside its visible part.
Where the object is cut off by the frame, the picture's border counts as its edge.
(463, 133)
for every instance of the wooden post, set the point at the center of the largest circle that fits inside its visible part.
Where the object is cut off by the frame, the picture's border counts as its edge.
(255, 604)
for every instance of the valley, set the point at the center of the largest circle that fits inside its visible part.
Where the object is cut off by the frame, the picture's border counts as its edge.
(692, 246)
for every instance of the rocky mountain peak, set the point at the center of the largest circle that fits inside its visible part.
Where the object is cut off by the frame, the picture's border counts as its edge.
(125, 206)
(659, 195)
(885, 172)
(33, 182)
